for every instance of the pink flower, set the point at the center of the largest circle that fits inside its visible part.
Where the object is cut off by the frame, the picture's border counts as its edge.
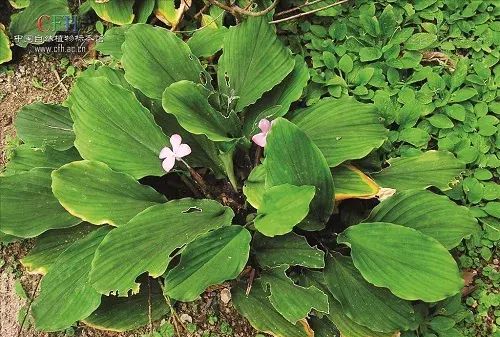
(265, 127)
(178, 151)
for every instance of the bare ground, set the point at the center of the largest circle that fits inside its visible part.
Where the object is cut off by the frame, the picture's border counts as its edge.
(17, 89)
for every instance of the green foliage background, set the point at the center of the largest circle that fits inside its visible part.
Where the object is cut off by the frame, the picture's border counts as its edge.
(431, 68)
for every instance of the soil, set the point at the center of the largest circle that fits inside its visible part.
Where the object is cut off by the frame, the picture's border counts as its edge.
(18, 88)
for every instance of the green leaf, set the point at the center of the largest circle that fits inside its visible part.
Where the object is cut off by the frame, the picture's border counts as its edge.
(253, 62)
(441, 323)
(5, 51)
(367, 54)
(431, 214)
(127, 138)
(431, 168)
(463, 94)
(283, 166)
(154, 58)
(25, 23)
(95, 193)
(460, 73)
(131, 312)
(346, 64)
(351, 183)
(375, 308)
(201, 261)
(420, 41)
(144, 10)
(24, 158)
(68, 280)
(40, 125)
(207, 41)
(289, 249)
(412, 265)
(150, 238)
(255, 186)
(414, 136)
(276, 102)
(189, 103)
(336, 315)
(343, 129)
(292, 301)
(456, 111)
(112, 41)
(441, 121)
(40, 210)
(257, 309)
(50, 245)
(282, 207)
(118, 12)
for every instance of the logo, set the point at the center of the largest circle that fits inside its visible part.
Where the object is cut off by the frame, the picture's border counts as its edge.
(54, 23)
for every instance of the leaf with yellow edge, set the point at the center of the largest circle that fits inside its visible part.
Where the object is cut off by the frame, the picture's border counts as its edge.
(50, 245)
(351, 183)
(170, 15)
(5, 51)
(119, 12)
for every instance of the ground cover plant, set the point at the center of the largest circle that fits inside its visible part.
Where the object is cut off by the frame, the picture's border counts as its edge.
(317, 180)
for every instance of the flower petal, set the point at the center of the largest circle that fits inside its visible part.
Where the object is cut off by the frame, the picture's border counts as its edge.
(165, 152)
(260, 139)
(175, 141)
(264, 125)
(182, 151)
(168, 163)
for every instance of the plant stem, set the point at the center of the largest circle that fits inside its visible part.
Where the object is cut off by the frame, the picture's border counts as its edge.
(308, 13)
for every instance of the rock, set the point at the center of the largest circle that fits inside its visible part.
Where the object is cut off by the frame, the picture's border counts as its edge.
(225, 295)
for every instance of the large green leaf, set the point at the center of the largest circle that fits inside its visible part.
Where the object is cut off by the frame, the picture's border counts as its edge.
(290, 249)
(112, 41)
(131, 312)
(255, 186)
(431, 168)
(376, 308)
(207, 41)
(66, 295)
(28, 207)
(154, 58)
(201, 261)
(119, 12)
(351, 183)
(50, 245)
(95, 193)
(257, 309)
(5, 51)
(24, 158)
(276, 103)
(411, 264)
(189, 103)
(292, 158)
(113, 127)
(431, 214)
(150, 238)
(40, 125)
(253, 62)
(40, 18)
(292, 301)
(283, 206)
(343, 129)
(336, 315)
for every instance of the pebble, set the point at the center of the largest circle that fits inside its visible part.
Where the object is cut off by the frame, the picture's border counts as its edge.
(185, 318)
(225, 295)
